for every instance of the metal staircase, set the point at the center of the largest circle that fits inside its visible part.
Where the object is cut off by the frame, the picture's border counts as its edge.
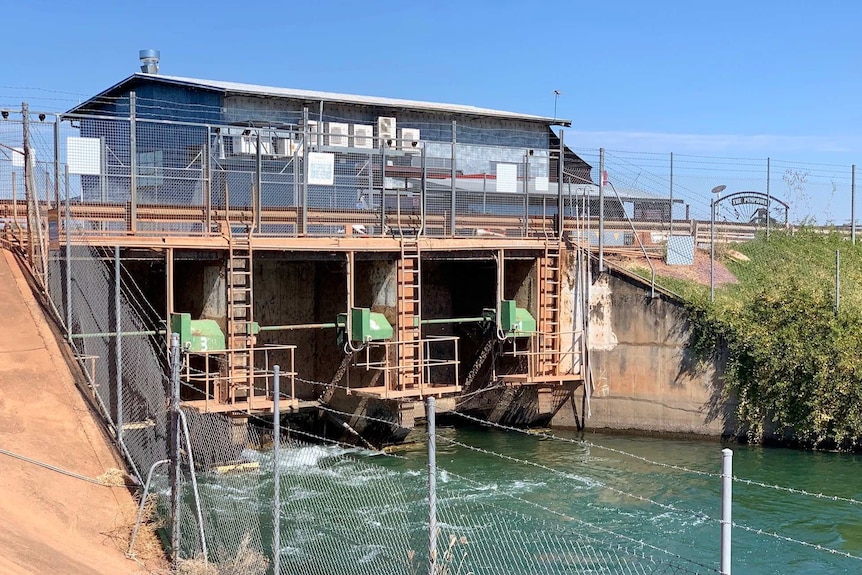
(409, 352)
(240, 319)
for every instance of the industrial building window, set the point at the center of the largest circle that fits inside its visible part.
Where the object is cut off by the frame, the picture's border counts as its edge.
(150, 166)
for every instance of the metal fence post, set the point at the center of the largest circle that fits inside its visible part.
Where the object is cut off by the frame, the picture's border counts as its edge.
(670, 227)
(726, 508)
(118, 338)
(837, 279)
(712, 250)
(423, 191)
(601, 209)
(195, 492)
(453, 175)
(57, 163)
(175, 446)
(276, 496)
(303, 219)
(526, 193)
(853, 204)
(28, 186)
(258, 184)
(383, 187)
(208, 183)
(561, 206)
(15, 198)
(68, 226)
(133, 163)
(432, 486)
(768, 177)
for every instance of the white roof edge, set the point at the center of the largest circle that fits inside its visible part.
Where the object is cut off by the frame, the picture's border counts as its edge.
(254, 89)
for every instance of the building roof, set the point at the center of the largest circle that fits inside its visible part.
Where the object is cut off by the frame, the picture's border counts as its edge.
(235, 88)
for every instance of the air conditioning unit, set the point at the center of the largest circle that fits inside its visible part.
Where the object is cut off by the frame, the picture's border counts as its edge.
(267, 146)
(386, 130)
(408, 139)
(363, 136)
(312, 129)
(338, 133)
(247, 145)
(287, 146)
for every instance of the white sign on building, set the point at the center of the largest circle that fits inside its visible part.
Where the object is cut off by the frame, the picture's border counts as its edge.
(507, 178)
(84, 155)
(321, 168)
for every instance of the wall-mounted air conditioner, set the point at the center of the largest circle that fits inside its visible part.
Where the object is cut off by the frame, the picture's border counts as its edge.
(287, 146)
(247, 145)
(338, 133)
(386, 130)
(267, 147)
(408, 139)
(362, 136)
(312, 130)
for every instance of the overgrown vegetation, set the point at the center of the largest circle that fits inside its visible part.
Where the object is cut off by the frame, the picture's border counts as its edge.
(794, 361)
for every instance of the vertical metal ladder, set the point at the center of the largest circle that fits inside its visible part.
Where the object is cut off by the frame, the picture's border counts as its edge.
(240, 318)
(548, 357)
(409, 354)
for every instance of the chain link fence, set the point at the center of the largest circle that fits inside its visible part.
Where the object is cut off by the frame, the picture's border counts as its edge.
(342, 510)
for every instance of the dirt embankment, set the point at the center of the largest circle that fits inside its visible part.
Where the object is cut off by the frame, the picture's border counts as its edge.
(697, 272)
(51, 522)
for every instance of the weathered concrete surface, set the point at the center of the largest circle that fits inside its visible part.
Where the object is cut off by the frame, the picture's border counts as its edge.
(646, 377)
(50, 523)
(284, 295)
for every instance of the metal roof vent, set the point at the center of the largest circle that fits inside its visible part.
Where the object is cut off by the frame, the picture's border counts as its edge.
(149, 61)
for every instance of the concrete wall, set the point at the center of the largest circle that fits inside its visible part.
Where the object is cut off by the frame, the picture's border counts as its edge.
(283, 295)
(646, 377)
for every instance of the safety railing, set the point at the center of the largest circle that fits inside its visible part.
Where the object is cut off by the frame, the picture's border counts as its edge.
(211, 386)
(439, 369)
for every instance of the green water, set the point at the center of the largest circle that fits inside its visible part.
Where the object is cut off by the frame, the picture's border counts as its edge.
(577, 510)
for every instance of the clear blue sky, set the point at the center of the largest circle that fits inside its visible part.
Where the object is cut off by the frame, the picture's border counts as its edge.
(733, 78)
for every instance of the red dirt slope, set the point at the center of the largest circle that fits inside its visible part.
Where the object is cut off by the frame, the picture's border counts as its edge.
(49, 522)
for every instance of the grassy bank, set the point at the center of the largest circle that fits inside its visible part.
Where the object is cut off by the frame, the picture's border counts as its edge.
(794, 360)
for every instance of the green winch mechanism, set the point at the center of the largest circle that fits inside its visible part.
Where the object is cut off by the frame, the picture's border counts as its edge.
(205, 335)
(197, 335)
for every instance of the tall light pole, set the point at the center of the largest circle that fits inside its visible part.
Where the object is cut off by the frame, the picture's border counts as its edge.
(557, 94)
(712, 202)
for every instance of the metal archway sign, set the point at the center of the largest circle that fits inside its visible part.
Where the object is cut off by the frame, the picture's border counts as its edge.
(752, 207)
